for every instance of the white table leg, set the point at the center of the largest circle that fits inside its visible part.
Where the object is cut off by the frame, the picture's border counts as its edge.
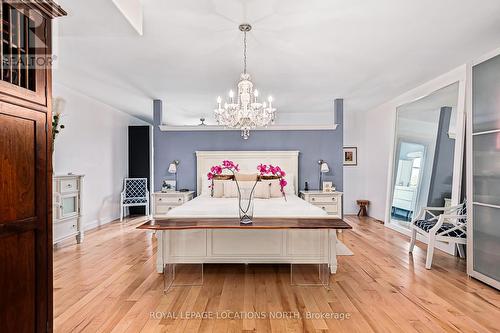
(333, 252)
(160, 236)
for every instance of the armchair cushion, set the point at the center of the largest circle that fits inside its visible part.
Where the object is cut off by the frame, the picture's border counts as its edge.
(134, 201)
(427, 225)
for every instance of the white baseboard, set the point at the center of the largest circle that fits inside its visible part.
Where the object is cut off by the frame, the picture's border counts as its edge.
(97, 223)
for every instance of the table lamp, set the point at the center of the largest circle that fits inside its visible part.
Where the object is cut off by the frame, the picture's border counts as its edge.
(172, 168)
(323, 168)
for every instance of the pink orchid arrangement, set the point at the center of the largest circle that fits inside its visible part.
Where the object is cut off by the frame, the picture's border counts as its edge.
(226, 165)
(275, 171)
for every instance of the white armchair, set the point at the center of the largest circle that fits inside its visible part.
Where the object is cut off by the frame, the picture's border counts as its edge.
(448, 226)
(135, 193)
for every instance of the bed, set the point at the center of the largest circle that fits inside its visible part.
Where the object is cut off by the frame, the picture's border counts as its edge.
(245, 246)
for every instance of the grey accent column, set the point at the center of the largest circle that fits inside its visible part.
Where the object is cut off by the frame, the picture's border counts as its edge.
(158, 164)
(442, 169)
(338, 104)
(157, 111)
(338, 109)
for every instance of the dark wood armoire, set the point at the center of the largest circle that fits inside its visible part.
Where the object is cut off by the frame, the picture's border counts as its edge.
(25, 165)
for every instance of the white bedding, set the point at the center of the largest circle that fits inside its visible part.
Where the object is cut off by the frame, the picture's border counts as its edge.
(206, 206)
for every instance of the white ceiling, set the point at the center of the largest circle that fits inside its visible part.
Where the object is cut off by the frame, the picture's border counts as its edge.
(305, 53)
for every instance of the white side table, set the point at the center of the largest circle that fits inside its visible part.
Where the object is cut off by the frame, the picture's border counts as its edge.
(331, 202)
(163, 202)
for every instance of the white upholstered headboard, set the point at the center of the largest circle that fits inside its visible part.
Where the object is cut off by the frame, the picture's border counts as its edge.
(248, 161)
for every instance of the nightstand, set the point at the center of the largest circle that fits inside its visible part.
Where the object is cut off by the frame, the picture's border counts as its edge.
(163, 202)
(331, 202)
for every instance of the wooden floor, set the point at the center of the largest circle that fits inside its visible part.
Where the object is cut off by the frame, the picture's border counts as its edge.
(109, 284)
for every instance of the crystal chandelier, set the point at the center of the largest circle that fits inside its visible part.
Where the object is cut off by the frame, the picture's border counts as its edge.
(245, 112)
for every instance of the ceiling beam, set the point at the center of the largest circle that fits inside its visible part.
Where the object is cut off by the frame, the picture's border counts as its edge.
(133, 12)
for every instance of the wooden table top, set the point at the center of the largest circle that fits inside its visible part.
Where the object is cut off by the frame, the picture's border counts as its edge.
(234, 223)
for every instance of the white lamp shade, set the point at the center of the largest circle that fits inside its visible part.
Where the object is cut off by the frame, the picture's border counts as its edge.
(172, 168)
(324, 167)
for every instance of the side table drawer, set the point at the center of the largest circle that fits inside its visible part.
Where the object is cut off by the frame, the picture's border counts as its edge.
(64, 229)
(160, 199)
(68, 185)
(163, 209)
(323, 199)
(329, 208)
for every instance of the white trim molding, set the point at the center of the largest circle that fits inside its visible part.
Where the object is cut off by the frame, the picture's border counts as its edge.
(206, 128)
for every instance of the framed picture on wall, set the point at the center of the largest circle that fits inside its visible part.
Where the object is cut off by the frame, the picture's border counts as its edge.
(350, 156)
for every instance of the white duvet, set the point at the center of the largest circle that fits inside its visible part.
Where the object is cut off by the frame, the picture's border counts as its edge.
(206, 206)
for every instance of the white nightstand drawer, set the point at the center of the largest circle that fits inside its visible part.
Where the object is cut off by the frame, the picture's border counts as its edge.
(168, 199)
(323, 199)
(329, 208)
(164, 209)
(68, 185)
(64, 229)
(165, 202)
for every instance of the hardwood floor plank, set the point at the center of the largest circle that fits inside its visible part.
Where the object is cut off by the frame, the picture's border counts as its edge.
(109, 284)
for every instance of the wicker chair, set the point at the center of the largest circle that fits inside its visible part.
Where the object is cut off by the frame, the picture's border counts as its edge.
(446, 224)
(135, 193)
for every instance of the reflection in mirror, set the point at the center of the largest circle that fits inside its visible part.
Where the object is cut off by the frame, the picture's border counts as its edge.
(424, 154)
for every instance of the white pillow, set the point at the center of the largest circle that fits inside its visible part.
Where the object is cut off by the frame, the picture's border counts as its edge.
(230, 189)
(262, 189)
(275, 188)
(218, 190)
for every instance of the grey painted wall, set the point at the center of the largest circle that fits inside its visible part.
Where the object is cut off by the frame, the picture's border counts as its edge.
(313, 145)
(442, 170)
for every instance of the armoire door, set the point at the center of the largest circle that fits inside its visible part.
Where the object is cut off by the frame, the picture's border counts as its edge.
(25, 165)
(24, 257)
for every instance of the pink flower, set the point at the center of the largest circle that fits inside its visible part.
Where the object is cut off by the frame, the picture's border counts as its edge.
(226, 165)
(230, 165)
(283, 183)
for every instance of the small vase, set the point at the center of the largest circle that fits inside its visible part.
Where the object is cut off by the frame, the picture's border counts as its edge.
(245, 202)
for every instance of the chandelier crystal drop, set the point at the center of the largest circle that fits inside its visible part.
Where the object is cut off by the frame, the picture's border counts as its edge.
(244, 111)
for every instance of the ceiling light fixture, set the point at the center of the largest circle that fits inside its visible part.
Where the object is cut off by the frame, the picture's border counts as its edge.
(244, 111)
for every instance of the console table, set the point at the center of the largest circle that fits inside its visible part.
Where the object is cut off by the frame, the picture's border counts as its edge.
(327, 261)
